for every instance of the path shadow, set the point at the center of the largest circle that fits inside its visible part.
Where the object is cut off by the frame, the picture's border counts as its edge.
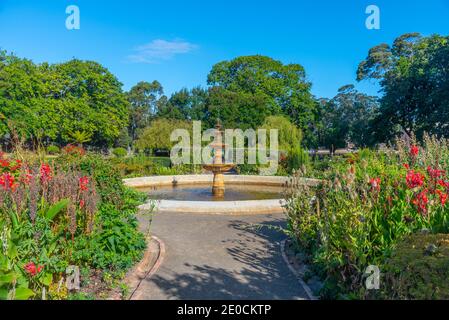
(258, 245)
(259, 273)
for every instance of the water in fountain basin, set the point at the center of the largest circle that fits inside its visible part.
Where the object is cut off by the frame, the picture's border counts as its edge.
(202, 192)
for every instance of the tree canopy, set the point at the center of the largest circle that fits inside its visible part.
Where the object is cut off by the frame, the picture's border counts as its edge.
(278, 88)
(144, 99)
(289, 135)
(81, 101)
(347, 118)
(157, 134)
(57, 102)
(414, 76)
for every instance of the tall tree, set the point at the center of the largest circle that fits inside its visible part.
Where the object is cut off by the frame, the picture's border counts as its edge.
(283, 87)
(185, 104)
(52, 102)
(347, 118)
(235, 109)
(414, 76)
(144, 100)
(289, 135)
(157, 134)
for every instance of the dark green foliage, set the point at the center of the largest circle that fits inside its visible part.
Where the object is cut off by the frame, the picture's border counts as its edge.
(414, 76)
(141, 165)
(418, 269)
(273, 87)
(116, 243)
(236, 109)
(51, 102)
(347, 118)
(144, 99)
(186, 104)
(297, 159)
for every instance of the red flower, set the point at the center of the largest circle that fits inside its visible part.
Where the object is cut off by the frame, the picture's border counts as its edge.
(82, 203)
(26, 179)
(375, 184)
(4, 163)
(17, 166)
(414, 151)
(421, 202)
(7, 181)
(435, 173)
(443, 183)
(443, 197)
(84, 183)
(414, 179)
(31, 269)
(45, 172)
(406, 166)
(70, 149)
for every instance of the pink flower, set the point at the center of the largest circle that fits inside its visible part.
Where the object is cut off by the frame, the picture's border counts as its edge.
(27, 177)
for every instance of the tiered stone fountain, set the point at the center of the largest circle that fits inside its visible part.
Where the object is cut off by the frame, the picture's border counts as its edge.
(218, 168)
(190, 193)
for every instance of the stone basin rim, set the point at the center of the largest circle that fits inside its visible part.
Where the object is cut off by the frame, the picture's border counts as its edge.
(240, 207)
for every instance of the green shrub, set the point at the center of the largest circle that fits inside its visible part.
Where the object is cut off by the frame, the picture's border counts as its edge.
(298, 159)
(117, 244)
(119, 152)
(247, 169)
(52, 149)
(418, 269)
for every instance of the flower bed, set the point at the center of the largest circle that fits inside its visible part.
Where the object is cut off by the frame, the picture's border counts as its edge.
(368, 203)
(71, 213)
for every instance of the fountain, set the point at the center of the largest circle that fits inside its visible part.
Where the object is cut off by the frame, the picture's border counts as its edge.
(218, 168)
(191, 193)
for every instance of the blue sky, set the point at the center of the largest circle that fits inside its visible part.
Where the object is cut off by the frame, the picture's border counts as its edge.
(177, 42)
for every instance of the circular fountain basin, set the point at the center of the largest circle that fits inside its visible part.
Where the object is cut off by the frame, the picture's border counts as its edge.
(202, 192)
(192, 193)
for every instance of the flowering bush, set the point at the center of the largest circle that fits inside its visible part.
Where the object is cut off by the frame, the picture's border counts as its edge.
(73, 150)
(69, 212)
(365, 206)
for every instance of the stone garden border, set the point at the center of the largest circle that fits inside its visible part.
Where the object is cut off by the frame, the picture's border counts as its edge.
(215, 207)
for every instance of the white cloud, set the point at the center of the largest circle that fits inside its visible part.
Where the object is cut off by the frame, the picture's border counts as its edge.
(159, 49)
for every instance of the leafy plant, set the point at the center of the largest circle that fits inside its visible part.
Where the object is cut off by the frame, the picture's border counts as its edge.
(365, 205)
(120, 152)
